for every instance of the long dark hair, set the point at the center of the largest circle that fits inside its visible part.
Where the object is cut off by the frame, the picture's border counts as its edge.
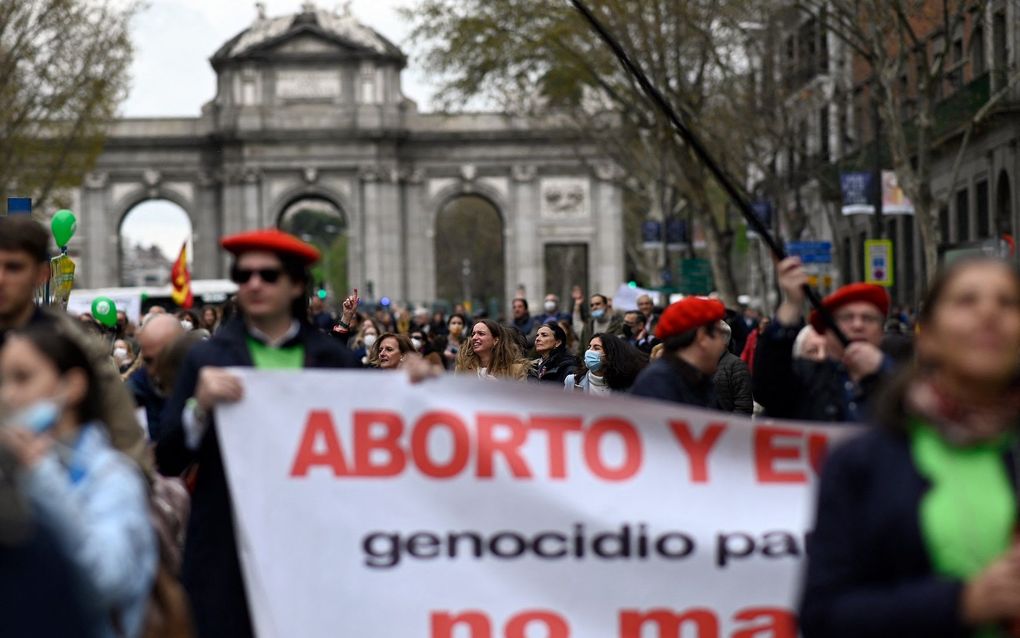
(623, 361)
(559, 335)
(890, 406)
(65, 354)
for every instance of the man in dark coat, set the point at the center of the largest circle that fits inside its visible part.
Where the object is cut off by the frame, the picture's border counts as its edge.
(693, 343)
(272, 332)
(155, 336)
(733, 380)
(839, 388)
(522, 319)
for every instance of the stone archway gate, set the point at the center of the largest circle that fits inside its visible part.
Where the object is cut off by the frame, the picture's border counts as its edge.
(309, 105)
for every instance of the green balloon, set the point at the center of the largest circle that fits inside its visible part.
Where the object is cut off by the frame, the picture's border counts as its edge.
(63, 224)
(104, 310)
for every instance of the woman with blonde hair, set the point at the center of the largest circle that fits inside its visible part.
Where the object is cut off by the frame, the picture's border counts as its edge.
(492, 353)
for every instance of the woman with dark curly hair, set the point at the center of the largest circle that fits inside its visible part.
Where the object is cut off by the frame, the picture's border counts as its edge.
(610, 365)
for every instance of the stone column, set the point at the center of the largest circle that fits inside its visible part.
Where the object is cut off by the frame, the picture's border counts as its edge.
(373, 252)
(100, 257)
(391, 256)
(525, 259)
(208, 229)
(419, 257)
(607, 208)
(234, 219)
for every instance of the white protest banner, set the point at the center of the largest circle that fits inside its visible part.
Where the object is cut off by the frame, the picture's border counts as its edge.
(368, 507)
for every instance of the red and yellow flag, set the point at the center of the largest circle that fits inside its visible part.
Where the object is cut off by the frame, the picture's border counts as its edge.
(180, 279)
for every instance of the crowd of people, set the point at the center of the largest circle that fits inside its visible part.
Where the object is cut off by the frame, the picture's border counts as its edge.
(105, 429)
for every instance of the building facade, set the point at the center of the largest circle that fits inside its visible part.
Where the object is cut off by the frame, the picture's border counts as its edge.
(309, 108)
(827, 90)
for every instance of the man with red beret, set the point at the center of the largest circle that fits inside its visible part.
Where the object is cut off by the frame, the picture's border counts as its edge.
(840, 387)
(271, 332)
(693, 343)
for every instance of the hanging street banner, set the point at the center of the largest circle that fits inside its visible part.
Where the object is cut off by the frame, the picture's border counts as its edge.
(856, 189)
(651, 233)
(894, 200)
(858, 195)
(461, 508)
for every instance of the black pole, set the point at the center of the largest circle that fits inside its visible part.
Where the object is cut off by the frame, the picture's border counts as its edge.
(695, 144)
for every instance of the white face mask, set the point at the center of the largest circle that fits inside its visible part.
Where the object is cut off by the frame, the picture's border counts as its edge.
(187, 325)
(416, 344)
(120, 354)
(369, 340)
(550, 306)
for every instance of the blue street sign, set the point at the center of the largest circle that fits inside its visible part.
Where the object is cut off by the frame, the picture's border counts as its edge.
(811, 252)
(19, 205)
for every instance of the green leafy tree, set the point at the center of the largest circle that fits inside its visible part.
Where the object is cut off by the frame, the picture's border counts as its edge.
(539, 58)
(63, 71)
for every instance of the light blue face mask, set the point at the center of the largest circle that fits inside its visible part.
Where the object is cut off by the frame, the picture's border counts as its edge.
(38, 417)
(593, 360)
(598, 314)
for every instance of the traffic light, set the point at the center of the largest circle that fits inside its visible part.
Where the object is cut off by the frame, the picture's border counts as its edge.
(322, 294)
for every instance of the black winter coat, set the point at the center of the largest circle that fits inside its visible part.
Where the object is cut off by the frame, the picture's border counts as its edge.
(671, 379)
(210, 570)
(807, 390)
(733, 385)
(868, 571)
(555, 370)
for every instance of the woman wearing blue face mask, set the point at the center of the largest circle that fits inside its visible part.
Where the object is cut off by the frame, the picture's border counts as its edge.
(610, 365)
(89, 496)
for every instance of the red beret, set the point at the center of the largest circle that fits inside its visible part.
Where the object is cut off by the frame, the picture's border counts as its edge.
(869, 293)
(273, 241)
(687, 314)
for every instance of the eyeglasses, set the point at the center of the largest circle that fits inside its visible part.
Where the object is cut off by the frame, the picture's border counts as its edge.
(849, 318)
(242, 275)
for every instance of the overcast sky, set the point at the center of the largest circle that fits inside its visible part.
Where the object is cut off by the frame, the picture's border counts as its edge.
(171, 76)
(174, 40)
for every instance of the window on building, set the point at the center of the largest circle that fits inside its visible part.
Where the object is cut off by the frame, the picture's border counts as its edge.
(955, 74)
(823, 134)
(962, 216)
(978, 65)
(1000, 47)
(983, 212)
(844, 127)
(823, 42)
(938, 50)
(944, 224)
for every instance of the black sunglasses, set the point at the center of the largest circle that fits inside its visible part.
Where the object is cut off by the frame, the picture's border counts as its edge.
(242, 275)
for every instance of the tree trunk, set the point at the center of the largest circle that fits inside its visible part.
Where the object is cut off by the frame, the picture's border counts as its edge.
(719, 245)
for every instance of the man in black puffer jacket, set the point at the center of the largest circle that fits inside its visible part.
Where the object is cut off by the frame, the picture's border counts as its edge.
(733, 381)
